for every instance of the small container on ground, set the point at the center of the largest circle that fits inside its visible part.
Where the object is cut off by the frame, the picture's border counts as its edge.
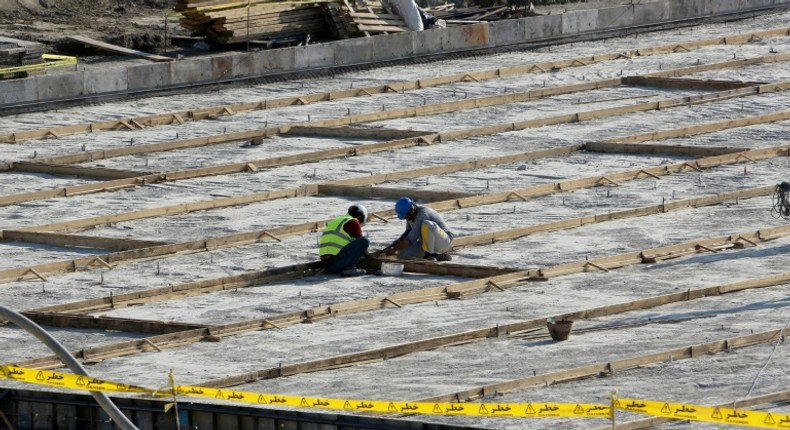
(559, 330)
(391, 269)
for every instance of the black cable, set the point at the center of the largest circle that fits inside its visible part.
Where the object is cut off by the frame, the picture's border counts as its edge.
(781, 204)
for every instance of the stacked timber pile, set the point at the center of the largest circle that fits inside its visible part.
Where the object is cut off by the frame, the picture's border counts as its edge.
(473, 14)
(15, 53)
(365, 18)
(222, 22)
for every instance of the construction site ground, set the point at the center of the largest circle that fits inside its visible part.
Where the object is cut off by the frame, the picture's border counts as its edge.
(633, 230)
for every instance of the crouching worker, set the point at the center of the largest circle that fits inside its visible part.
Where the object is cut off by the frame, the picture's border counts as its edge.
(342, 243)
(426, 236)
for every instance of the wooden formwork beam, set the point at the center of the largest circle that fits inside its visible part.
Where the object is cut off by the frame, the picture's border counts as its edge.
(356, 133)
(642, 148)
(108, 323)
(491, 332)
(80, 241)
(209, 112)
(704, 84)
(717, 66)
(596, 369)
(702, 128)
(80, 171)
(388, 193)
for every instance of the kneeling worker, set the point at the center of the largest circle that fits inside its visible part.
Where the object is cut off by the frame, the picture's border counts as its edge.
(426, 235)
(342, 243)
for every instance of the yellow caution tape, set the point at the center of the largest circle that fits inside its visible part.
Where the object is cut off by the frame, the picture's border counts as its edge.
(682, 411)
(711, 414)
(54, 61)
(512, 410)
(67, 380)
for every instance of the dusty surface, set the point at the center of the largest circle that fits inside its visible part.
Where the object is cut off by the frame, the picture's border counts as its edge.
(136, 24)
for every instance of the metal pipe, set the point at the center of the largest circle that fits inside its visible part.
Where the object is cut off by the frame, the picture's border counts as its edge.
(102, 399)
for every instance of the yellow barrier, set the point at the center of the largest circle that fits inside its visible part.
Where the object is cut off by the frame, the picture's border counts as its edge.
(681, 411)
(710, 414)
(54, 61)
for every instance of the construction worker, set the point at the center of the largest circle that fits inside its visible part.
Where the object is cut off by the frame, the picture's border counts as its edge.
(426, 236)
(342, 243)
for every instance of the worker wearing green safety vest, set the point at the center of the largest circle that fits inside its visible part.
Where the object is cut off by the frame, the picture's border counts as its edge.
(342, 243)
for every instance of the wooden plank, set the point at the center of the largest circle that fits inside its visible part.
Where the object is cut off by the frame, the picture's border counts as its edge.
(353, 132)
(675, 150)
(388, 193)
(72, 240)
(118, 49)
(704, 84)
(108, 323)
(79, 171)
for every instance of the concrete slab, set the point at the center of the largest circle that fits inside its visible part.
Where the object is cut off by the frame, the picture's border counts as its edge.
(724, 6)
(750, 4)
(393, 46)
(353, 51)
(650, 13)
(18, 91)
(689, 8)
(507, 32)
(191, 71)
(617, 16)
(427, 42)
(104, 81)
(274, 61)
(152, 75)
(465, 37)
(579, 21)
(540, 27)
(61, 85)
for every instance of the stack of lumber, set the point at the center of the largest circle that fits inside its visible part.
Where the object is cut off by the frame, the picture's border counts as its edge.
(460, 16)
(364, 18)
(15, 52)
(226, 23)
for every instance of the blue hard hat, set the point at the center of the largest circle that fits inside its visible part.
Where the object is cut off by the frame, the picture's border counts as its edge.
(403, 206)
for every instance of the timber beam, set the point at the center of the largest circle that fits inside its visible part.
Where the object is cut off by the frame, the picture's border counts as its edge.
(675, 150)
(356, 133)
(213, 112)
(77, 241)
(388, 193)
(79, 171)
(702, 84)
(108, 323)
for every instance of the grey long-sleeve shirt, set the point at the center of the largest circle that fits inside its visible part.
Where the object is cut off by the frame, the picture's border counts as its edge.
(413, 232)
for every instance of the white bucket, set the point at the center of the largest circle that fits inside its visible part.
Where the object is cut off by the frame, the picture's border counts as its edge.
(391, 269)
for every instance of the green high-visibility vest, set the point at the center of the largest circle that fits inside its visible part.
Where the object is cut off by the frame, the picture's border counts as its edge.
(334, 237)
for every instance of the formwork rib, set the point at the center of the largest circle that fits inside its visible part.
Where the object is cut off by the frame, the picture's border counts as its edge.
(213, 112)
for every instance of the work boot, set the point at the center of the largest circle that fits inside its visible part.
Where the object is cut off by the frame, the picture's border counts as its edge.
(352, 271)
(437, 257)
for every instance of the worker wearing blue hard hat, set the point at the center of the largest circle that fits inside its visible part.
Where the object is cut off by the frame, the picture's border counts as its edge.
(426, 235)
(342, 243)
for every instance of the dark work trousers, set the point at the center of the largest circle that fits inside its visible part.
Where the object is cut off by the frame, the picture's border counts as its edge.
(349, 256)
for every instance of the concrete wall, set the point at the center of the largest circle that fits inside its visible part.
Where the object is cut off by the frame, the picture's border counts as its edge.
(57, 85)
